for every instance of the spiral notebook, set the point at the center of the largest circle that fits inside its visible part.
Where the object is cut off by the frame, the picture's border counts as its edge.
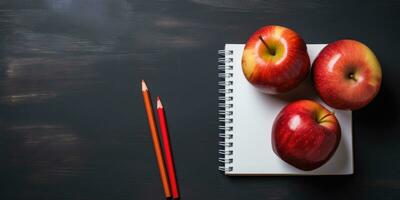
(246, 117)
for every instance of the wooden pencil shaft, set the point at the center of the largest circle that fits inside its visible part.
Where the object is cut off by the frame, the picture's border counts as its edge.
(168, 152)
(156, 143)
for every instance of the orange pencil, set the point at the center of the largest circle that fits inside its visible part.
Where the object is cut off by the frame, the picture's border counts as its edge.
(156, 141)
(167, 149)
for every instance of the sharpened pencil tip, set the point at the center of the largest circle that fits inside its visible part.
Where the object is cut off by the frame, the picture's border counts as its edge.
(144, 86)
(159, 104)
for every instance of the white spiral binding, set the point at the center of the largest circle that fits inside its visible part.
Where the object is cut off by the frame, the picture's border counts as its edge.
(225, 109)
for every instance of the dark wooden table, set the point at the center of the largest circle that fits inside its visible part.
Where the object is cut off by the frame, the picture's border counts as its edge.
(72, 122)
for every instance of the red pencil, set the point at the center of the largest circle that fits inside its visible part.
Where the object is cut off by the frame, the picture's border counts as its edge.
(167, 149)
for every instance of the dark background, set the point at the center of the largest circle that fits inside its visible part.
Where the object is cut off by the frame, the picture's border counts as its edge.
(72, 121)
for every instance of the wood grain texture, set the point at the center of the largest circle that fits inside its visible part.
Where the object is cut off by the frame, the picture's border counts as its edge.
(72, 122)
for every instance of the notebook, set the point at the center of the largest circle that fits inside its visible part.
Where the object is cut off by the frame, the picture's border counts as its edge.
(246, 117)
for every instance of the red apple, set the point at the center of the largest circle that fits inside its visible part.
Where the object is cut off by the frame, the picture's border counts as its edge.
(275, 59)
(347, 74)
(305, 134)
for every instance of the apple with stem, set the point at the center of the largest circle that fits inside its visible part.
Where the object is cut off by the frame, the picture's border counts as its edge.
(347, 74)
(305, 134)
(275, 59)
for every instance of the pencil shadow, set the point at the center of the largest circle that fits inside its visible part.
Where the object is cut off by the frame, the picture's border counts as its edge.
(170, 198)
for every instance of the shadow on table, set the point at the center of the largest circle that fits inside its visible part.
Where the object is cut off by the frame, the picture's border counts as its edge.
(381, 113)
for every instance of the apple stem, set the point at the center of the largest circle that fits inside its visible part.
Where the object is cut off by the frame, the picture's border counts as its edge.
(325, 116)
(266, 45)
